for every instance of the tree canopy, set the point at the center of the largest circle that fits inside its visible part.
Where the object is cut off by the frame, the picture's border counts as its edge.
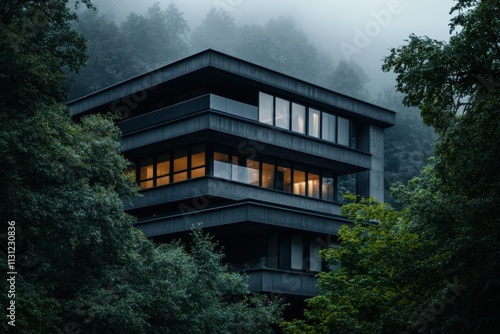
(81, 264)
(442, 276)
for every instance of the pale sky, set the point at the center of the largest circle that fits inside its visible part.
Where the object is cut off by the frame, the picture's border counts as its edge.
(360, 30)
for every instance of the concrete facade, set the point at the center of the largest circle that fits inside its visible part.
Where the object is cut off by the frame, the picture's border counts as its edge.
(203, 153)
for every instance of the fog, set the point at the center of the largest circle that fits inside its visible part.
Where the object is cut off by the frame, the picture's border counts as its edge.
(361, 30)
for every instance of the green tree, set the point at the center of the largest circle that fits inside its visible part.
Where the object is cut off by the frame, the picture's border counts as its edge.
(448, 280)
(81, 264)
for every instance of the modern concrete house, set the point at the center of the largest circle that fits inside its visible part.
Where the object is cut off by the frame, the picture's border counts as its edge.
(255, 155)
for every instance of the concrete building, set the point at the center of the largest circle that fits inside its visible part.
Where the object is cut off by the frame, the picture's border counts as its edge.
(260, 158)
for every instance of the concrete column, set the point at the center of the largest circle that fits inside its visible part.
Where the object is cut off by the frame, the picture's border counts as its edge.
(370, 138)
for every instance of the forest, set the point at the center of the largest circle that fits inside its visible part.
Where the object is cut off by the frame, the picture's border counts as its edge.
(430, 263)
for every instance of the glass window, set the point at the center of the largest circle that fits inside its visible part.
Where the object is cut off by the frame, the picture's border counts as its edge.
(266, 108)
(297, 252)
(222, 165)
(299, 180)
(268, 173)
(252, 170)
(298, 118)
(314, 121)
(282, 113)
(163, 165)
(343, 138)
(180, 160)
(313, 183)
(284, 177)
(198, 156)
(328, 127)
(328, 186)
(238, 173)
(146, 173)
(314, 258)
(198, 161)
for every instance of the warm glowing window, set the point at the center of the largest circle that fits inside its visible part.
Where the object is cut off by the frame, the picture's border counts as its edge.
(198, 161)
(268, 174)
(313, 183)
(146, 173)
(299, 180)
(252, 172)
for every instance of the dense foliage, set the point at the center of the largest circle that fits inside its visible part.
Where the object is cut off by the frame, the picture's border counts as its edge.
(81, 265)
(443, 274)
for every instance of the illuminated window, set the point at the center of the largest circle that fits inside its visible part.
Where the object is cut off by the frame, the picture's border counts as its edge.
(313, 183)
(282, 113)
(163, 169)
(198, 161)
(298, 118)
(266, 108)
(252, 172)
(314, 121)
(268, 173)
(146, 173)
(299, 180)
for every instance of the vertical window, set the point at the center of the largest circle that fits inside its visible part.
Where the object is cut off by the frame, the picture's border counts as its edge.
(314, 121)
(238, 172)
(222, 165)
(146, 173)
(252, 171)
(328, 127)
(282, 113)
(298, 118)
(180, 165)
(198, 161)
(299, 180)
(266, 108)
(328, 186)
(314, 259)
(297, 252)
(268, 173)
(284, 177)
(344, 135)
(313, 183)
(163, 169)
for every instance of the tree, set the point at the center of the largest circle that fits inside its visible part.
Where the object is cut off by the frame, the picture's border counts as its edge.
(447, 280)
(350, 79)
(80, 263)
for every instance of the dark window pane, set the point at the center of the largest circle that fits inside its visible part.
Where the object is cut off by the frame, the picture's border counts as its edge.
(343, 131)
(284, 177)
(328, 186)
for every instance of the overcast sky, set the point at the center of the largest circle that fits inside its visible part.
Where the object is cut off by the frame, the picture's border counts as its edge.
(360, 30)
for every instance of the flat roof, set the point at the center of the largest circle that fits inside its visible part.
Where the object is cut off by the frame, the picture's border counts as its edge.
(256, 74)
